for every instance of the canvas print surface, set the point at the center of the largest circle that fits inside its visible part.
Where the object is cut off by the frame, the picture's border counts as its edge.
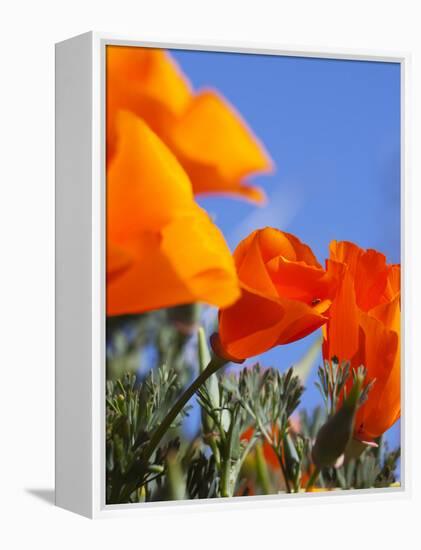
(253, 275)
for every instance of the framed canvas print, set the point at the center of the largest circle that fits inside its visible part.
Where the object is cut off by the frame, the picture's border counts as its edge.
(229, 271)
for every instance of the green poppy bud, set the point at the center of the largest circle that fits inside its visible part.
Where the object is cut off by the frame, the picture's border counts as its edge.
(334, 435)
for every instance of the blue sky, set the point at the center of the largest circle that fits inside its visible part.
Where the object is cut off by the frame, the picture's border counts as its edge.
(332, 128)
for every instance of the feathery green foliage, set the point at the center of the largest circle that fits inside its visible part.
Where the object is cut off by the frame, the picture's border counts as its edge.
(250, 439)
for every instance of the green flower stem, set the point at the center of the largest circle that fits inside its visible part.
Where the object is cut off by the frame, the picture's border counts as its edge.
(225, 480)
(262, 470)
(215, 451)
(215, 364)
(283, 469)
(176, 481)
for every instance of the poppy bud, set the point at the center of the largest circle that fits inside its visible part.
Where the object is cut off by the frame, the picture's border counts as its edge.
(334, 435)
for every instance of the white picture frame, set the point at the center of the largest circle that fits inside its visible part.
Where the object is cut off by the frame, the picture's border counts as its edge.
(80, 276)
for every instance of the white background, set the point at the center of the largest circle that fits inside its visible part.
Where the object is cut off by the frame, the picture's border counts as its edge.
(28, 32)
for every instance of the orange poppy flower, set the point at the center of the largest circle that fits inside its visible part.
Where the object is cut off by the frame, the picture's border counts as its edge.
(212, 142)
(364, 328)
(285, 295)
(162, 248)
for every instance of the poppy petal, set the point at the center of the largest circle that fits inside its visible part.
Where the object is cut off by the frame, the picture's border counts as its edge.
(370, 279)
(146, 186)
(147, 82)
(216, 147)
(393, 285)
(346, 253)
(150, 283)
(118, 260)
(382, 362)
(343, 327)
(188, 263)
(300, 281)
(200, 256)
(250, 265)
(272, 322)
